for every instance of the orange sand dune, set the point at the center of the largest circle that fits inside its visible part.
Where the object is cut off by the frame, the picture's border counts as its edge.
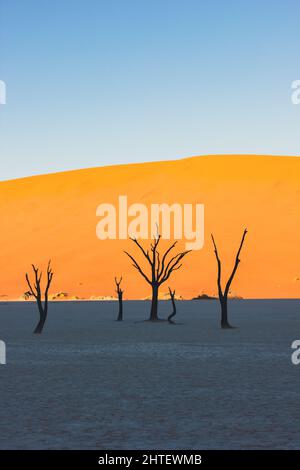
(54, 216)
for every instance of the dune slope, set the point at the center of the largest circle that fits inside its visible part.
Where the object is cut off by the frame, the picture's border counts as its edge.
(54, 216)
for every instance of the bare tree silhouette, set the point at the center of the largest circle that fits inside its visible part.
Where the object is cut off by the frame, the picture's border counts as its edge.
(161, 269)
(36, 292)
(223, 295)
(172, 297)
(119, 291)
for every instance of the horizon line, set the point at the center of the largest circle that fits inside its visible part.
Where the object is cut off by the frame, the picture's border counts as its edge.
(148, 162)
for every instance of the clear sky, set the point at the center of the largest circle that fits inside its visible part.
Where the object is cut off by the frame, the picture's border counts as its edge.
(99, 82)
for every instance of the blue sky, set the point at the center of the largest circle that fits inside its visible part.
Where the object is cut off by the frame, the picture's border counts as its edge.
(100, 82)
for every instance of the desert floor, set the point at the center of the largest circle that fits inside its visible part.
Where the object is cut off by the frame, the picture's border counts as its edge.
(92, 383)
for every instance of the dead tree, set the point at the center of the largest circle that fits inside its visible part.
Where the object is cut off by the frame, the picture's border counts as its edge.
(223, 295)
(36, 292)
(172, 297)
(161, 268)
(119, 291)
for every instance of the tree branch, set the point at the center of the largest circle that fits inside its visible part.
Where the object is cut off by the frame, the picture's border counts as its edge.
(30, 287)
(135, 265)
(118, 283)
(237, 261)
(145, 253)
(219, 267)
(173, 265)
(164, 260)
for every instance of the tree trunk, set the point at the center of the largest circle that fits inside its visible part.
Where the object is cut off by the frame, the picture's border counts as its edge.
(120, 316)
(174, 311)
(42, 321)
(154, 304)
(224, 319)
